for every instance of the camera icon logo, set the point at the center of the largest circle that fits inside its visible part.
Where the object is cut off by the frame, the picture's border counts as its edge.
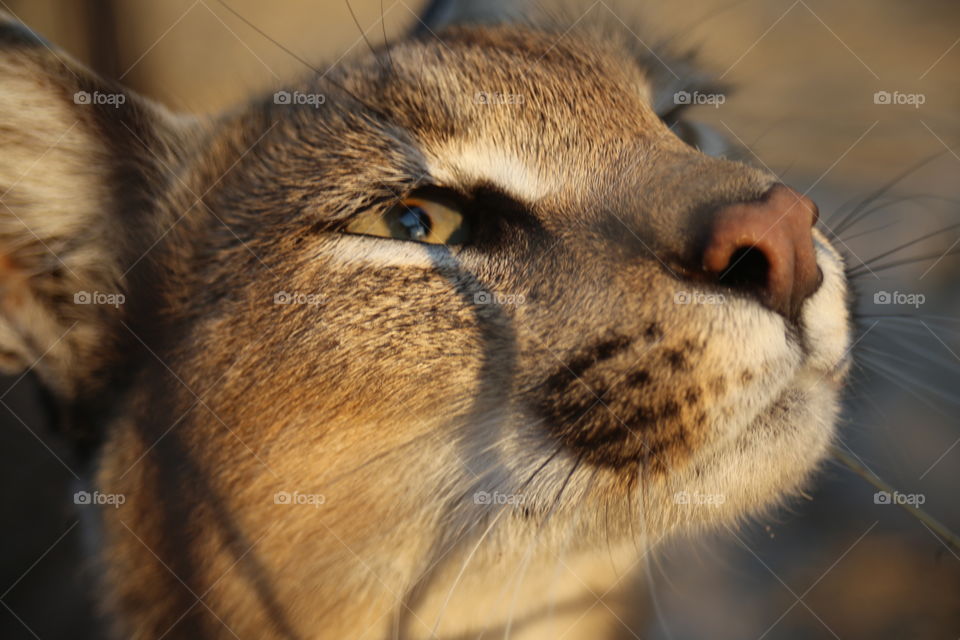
(81, 97)
(282, 298)
(483, 297)
(282, 97)
(81, 497)
(882, 497)
(882, 297)
(682, 97)
(282, 497)
(82, 297)
(882, 97)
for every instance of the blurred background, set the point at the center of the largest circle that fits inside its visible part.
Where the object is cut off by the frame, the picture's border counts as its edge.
(807, 74)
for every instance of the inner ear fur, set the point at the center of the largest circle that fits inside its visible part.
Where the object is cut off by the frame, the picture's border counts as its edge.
(81, 165)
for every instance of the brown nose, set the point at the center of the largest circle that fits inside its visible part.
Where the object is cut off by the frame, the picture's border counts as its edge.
(765, 248)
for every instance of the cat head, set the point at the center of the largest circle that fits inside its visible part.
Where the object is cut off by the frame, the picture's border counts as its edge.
(484, 275)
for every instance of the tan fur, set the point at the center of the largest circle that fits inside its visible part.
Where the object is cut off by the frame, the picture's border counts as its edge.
(593, 396)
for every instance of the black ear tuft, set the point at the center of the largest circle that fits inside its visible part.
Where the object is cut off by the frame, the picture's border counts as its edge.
(444, 13)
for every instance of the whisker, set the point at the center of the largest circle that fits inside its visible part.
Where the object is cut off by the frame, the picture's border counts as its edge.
(520, 574)
(893, 376)
(386, 41)
(897, 324)
(528, 555)
(949, 538)
(857, 273)
(386, 533)
(567, 538)
(563, 488)
(864, 265)
(913, 318)
(865, 233)
(463, 568)
(651, 560)
(460, 536)
(895, 200)
(844, 222)
(363, 34)
(929, 358)
(324, 76)
(715, 12)
(655, 602)
(641, 500)
(606, 523)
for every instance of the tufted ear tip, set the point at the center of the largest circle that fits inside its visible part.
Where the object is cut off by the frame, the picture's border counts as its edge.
(444, 13)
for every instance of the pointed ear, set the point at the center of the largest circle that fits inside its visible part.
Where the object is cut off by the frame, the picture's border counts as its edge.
(81, 162)
(444, 13)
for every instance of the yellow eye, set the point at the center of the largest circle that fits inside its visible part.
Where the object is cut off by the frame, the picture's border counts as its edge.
(415, 219)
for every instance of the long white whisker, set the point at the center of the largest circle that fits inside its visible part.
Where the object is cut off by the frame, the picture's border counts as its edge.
(463, 568)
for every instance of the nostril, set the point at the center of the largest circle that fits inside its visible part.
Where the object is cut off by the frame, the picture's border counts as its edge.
(748, 270)
(765, 248)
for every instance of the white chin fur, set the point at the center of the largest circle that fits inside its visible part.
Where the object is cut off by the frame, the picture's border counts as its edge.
(825, 317)
(776, 453)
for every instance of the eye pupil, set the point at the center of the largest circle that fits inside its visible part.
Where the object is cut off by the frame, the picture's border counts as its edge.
(427, 220)
(414, 223)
